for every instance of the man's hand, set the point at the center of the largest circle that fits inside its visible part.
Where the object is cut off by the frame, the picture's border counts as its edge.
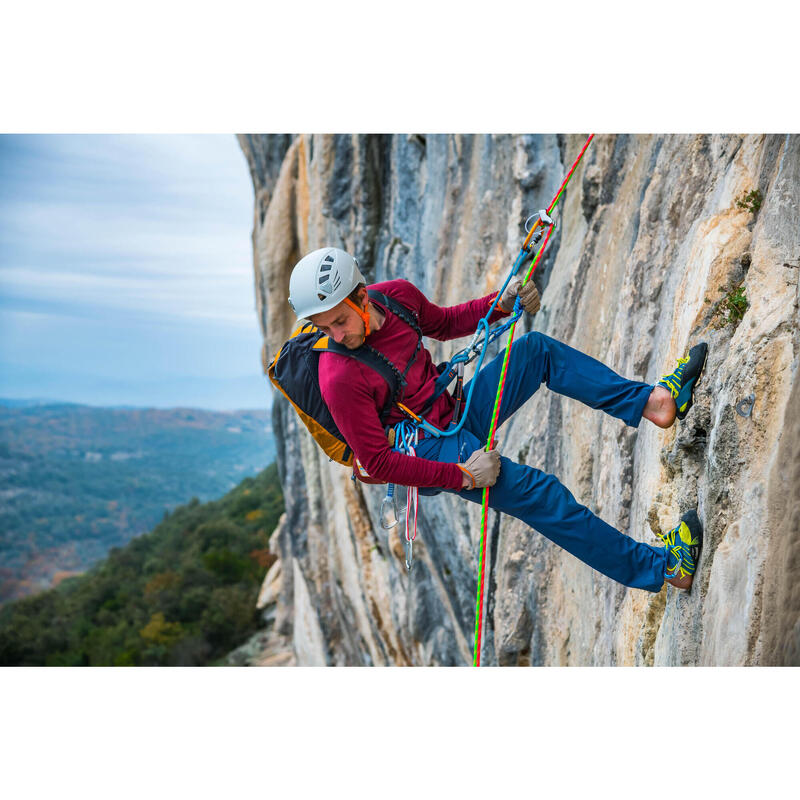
(528, 294)
(480, 469)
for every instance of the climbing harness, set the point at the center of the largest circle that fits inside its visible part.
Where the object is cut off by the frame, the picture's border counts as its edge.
(407, 430)
(477, 348)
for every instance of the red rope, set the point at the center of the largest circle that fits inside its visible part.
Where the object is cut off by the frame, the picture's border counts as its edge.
(495, 416)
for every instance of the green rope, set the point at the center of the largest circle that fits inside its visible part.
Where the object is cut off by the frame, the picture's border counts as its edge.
(476, 653)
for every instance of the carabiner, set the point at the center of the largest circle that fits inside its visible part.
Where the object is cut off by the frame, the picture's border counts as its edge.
(388, 514)
(389, 509)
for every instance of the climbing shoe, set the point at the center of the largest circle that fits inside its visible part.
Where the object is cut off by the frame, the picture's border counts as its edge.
(683, 549)
(682, 383)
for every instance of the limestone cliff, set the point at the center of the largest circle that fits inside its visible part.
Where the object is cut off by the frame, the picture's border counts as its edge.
(651, 254)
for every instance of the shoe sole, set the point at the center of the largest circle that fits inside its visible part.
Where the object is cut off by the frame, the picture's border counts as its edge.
(704, 346)
(696, 529)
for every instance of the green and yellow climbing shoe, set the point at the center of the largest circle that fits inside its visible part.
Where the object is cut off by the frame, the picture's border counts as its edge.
(683, 381)
(683, 550)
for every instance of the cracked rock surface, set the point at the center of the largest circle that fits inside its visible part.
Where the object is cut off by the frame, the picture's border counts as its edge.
(649, 249)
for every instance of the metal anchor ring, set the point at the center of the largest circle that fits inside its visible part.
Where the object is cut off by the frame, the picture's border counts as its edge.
(745, 407)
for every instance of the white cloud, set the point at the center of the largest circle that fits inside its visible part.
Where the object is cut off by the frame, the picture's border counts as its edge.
(187, 253)
(131, 253)
(210, 297)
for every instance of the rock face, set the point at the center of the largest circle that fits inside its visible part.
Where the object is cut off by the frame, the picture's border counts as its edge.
(650, 255)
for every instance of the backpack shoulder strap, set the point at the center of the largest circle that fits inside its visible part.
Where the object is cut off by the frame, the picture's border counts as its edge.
(374, 358)
(376, 361)
(405, 314)
(397, 308)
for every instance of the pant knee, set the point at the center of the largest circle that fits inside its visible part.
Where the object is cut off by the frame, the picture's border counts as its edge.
(534, 339)
(537, 354)
(537, 344)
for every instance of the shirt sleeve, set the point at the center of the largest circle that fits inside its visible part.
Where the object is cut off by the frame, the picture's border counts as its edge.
(365, 435)
(452, 322)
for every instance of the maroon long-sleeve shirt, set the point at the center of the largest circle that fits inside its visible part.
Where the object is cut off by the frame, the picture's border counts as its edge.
(356, 394)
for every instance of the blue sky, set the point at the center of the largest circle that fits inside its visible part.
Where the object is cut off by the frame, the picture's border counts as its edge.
(126, 272)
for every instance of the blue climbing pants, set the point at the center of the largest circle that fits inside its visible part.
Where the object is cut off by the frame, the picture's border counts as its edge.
(533, 496)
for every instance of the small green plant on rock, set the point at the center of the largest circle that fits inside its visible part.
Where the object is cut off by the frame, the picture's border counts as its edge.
(750, 201)
(731, 309)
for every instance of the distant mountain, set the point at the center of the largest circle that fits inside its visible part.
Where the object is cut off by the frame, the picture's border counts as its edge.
(75, 386)
(76, 480)
(12, 402)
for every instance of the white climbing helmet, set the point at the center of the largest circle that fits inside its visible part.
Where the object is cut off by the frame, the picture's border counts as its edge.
(321, 280)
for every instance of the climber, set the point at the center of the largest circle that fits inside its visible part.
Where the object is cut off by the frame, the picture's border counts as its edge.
(327, 288)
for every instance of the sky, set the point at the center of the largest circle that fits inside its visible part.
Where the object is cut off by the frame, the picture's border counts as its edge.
(126, 271)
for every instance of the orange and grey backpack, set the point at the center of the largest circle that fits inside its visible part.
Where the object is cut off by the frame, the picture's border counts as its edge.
(295, 373)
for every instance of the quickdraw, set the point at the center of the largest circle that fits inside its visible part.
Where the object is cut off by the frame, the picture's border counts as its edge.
(412, 501)
(406, 439)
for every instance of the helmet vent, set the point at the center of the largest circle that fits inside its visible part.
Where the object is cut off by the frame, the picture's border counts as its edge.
(325, 274)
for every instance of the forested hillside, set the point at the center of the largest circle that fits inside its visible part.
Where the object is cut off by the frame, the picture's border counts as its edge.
(76, 480)
(184, 594)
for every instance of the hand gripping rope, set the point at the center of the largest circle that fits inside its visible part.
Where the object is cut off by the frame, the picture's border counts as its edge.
(476, 658)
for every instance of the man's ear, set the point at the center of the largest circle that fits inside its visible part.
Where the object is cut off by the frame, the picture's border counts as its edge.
(363, 298)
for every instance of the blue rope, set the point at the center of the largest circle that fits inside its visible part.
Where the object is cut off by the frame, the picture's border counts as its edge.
(465, 355)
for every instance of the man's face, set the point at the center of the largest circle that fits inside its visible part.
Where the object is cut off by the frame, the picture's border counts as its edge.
(342, 324)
